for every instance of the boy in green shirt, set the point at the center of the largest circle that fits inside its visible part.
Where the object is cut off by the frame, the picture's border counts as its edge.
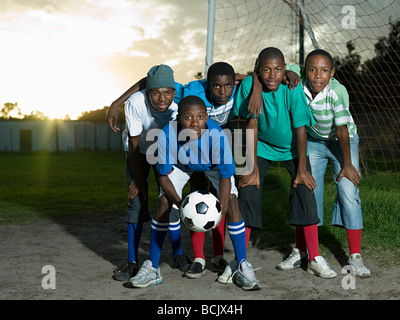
(280, 135)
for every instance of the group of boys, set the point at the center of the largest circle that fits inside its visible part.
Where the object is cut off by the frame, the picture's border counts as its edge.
(279, 118)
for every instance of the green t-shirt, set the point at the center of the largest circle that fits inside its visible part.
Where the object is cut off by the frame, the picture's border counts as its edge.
(283, 111)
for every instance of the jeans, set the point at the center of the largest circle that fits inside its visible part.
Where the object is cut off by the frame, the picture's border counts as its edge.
(347, 206)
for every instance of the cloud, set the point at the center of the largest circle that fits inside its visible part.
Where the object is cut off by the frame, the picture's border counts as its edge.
(90, 51)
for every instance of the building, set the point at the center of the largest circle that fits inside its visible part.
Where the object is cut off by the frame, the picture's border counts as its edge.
(54, 136)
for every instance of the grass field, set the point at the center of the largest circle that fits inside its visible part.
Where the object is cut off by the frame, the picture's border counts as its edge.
(36, 186)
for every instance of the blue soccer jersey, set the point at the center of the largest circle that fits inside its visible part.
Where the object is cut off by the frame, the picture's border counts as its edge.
(211, 150)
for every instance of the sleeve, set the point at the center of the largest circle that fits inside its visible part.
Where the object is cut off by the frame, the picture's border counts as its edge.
(178, 92)
(165, 156)
(341, 105)
(196, 88)
(242, 99)
(299, 109)
(295, 68)
(134, 117)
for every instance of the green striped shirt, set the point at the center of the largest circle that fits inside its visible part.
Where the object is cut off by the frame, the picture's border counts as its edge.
(330, 108)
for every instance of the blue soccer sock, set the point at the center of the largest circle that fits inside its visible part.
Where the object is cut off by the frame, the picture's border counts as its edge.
(238, 236)
(134, 234)
(157, 235)
(174, 231)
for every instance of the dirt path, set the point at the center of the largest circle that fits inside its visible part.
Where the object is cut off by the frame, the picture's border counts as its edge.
(84, 252)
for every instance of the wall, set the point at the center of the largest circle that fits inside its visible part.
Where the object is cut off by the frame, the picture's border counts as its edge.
(58, 136)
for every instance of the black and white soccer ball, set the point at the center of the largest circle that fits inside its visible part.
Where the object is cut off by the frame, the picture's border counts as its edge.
(200, 211)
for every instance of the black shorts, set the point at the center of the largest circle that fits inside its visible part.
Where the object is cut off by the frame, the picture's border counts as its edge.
(303, 207)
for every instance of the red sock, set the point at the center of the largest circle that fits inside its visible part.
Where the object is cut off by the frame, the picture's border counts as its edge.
(247, 231)
(354, 239)
(300, 240)
(198, 244)
(311, 238)
(218, 238)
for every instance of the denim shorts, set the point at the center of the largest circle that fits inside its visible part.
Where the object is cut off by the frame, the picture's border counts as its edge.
(347, 206)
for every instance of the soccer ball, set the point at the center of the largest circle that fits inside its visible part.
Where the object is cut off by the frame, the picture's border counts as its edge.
(200, 211)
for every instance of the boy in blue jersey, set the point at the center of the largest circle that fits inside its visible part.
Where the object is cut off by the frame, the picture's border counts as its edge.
(218, 92)
(205, 151)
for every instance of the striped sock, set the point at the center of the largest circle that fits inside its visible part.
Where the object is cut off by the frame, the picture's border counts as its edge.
(238, 236)
(158, 232)
(174, 232)
(134, 233)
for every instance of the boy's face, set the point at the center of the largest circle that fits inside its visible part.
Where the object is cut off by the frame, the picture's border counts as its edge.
(193, 117)
(271, 72)
(161, 98)
(221, 88)
(319, 73)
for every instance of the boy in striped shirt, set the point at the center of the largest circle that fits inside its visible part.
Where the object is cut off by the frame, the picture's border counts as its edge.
(334, 136)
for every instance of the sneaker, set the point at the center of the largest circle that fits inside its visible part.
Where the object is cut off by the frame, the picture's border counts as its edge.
(245, 277)
(226, 276)
(146, 276)
(321, 268)
(196, 270)
(296, 259)
(126, 271)
(218, 264)
(182, 263)
(356, 262)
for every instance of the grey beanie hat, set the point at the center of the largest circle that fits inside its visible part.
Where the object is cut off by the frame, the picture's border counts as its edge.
(161, 76)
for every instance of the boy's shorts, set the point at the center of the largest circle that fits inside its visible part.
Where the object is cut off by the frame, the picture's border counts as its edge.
(180, 175)
(303, 208)
(138, 209)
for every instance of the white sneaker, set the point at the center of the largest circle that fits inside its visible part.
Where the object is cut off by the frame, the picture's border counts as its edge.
(245, 277)
(296, 259)
(226, 276)
(321, 268)
(146, 276)
(356, 262)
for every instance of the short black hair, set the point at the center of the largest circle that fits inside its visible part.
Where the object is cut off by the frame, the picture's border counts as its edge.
(270, 53)
(191, 101)
(220, 68)
(322, 53)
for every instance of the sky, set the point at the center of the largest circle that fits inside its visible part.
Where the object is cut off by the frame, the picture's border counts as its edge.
(64, 57)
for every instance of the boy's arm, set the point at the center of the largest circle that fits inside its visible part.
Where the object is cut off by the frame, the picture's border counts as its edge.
(253, 177)
(138, 184)
(256, 101)
(348, 169)
(169, 190)
(303, 176)
(112, 114)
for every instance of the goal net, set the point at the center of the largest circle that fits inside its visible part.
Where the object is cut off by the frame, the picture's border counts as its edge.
(362, 36)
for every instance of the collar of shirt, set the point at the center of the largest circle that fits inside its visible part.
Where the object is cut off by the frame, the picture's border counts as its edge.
(319, 96)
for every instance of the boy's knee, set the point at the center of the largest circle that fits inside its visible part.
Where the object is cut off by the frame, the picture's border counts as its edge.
(233, 214)
(164, 207)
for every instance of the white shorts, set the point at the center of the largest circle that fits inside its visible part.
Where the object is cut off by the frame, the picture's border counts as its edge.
(180, 175)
